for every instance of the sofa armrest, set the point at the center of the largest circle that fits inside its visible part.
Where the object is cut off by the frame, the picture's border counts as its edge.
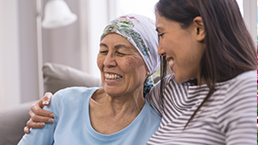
(12, 122)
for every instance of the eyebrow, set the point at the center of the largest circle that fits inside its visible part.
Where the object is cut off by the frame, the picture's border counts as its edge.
(119, 46)
(158, 29)
(122, 46)
(102, 44)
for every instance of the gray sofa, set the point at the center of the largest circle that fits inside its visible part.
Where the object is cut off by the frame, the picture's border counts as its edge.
(56, 76)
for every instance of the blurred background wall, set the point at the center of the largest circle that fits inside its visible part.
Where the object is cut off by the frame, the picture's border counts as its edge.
(75, 45)
(60, 45)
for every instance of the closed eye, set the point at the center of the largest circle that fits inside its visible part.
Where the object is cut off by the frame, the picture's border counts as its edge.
(161, 34)
(103, 52)
(120, 54)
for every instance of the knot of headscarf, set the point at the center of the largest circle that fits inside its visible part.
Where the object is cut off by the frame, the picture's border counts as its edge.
(149, 83)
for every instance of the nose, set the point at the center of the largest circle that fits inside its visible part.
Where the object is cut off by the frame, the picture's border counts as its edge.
(109, 60)
(161, 51)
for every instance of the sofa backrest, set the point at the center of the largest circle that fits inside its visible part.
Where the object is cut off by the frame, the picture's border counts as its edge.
(58, 76)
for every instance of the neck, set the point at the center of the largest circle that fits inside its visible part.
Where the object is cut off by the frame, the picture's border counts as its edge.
(131, 103)
(110, 114)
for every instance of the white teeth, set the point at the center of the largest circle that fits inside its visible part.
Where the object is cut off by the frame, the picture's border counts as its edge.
(171, 62)
(112, 76)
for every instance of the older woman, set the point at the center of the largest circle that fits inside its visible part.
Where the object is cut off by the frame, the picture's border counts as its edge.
(118, 112)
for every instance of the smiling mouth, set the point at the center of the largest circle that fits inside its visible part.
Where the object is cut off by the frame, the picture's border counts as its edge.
(112, 76)
(171, 62)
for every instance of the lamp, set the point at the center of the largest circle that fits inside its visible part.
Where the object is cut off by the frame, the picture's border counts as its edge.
(57, 14)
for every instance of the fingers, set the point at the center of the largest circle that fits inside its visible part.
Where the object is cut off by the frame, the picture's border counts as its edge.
(37, 107)
(39, 111)
(37, 118)
(31, 124)
(26, 130)
(46, 99)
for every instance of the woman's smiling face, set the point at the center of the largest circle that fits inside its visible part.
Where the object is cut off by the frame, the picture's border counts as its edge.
(123, 70)
(183, 48)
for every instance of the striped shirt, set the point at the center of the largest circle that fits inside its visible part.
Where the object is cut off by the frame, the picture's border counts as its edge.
(228, 117)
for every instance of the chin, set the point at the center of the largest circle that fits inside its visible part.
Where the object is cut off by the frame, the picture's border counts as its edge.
(180, 80)
(112, 91)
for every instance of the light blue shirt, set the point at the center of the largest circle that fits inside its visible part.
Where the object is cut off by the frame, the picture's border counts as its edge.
(72, 123)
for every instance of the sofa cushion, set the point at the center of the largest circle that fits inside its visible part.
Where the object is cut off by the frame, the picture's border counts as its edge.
(57, 76)
(12, 122)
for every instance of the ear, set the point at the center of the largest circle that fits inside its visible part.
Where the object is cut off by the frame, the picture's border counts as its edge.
(147, 73)
(199, 28)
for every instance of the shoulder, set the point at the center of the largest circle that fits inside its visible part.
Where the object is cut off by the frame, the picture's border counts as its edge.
(167, 80)
(240, 91)
(72, 97)
(249, 76)
(239, 106)
(150, 120)
(151, 112)
(73, 94)
(246, 80)
(74, 91)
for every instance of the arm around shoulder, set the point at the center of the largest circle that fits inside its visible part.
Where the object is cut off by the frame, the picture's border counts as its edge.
(45, 135)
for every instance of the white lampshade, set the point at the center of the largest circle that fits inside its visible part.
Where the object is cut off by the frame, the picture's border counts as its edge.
(57, 14)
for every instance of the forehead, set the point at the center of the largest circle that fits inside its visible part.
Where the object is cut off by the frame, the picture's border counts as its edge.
(114, 37)
(113, 40)
(116, 41)
(164, 23)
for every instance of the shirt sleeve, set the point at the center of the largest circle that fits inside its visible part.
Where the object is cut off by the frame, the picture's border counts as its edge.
(44, 136)
(238, 120)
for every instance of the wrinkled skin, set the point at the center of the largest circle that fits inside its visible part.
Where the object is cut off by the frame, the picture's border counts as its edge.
(117, 56)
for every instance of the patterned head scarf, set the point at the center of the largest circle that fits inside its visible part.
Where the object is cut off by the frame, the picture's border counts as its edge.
(140, 31)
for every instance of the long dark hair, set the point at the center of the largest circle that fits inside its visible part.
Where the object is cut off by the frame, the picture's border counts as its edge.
(230, 50)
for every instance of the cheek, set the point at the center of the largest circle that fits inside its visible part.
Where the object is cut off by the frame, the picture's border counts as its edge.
(169, 41)
(100, 61)
(176, 42)
(135, 62)
(139, 69)
(132, 64)
(168, 45)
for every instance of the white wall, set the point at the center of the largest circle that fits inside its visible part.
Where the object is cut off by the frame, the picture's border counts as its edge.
(143, 7)
(95, 15)
(28, 50)
(83, 22)
(96, 12)
(62, 45)
(250, 17)
(9, 54)
(18, 49)
(75, 45)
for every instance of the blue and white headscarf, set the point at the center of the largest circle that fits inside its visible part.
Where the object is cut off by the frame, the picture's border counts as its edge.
(140, 31)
